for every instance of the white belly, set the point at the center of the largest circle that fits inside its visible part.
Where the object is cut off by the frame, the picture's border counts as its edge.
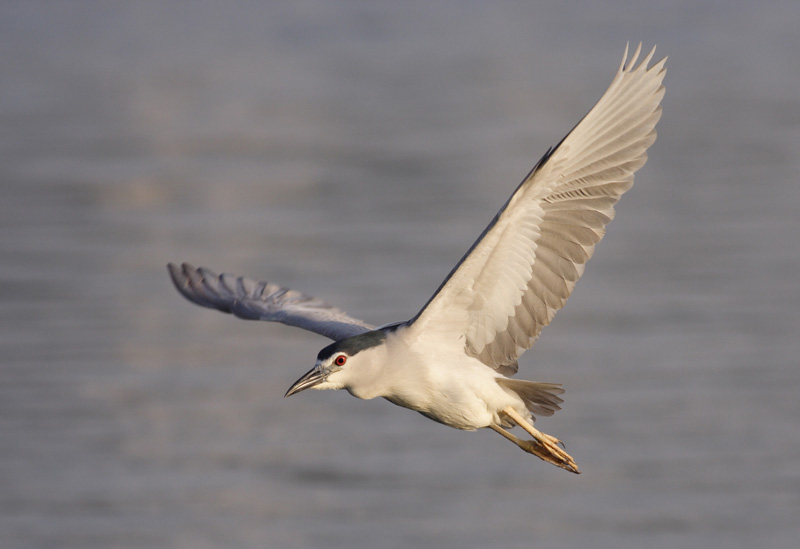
(439, 381)
(463, 395)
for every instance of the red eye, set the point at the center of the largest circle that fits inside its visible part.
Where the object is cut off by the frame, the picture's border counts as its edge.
(340, 360)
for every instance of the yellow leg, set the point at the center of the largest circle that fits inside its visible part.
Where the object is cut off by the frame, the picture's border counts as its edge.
(543, 446)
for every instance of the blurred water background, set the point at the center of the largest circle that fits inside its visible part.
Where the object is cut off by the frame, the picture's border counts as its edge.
(354, 150)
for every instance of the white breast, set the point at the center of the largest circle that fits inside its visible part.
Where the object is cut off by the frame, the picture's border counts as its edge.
(444, 384)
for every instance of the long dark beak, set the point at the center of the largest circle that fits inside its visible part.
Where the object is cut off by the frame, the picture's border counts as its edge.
(314, 376)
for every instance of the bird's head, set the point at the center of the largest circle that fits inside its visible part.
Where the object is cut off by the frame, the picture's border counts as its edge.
(341, 364)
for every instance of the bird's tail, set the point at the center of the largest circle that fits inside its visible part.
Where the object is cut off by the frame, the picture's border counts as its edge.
(541, 399)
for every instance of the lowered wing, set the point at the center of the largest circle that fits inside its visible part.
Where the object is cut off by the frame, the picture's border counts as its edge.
(257, 300)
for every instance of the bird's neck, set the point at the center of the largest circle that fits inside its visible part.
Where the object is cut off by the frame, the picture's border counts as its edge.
(384, 371)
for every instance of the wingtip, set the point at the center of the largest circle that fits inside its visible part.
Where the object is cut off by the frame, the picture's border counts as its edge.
(175, 273)
(629, 65)
(626, 64)
(186, 279)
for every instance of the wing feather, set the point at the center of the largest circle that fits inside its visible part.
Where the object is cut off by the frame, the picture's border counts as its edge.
(524, 266)
(252, 299)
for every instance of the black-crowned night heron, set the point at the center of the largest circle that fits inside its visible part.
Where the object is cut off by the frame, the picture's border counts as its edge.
(452, 362)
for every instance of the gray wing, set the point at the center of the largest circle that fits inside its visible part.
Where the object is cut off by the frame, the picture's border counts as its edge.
(257, 300)
(524, 266)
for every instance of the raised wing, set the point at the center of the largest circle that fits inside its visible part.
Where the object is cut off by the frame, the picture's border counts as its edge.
(524, 266)
(257, 300)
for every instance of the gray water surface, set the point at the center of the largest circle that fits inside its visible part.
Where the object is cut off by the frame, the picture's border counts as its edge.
(355, 151)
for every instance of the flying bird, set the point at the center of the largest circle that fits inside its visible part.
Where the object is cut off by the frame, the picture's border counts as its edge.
(454, 361)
